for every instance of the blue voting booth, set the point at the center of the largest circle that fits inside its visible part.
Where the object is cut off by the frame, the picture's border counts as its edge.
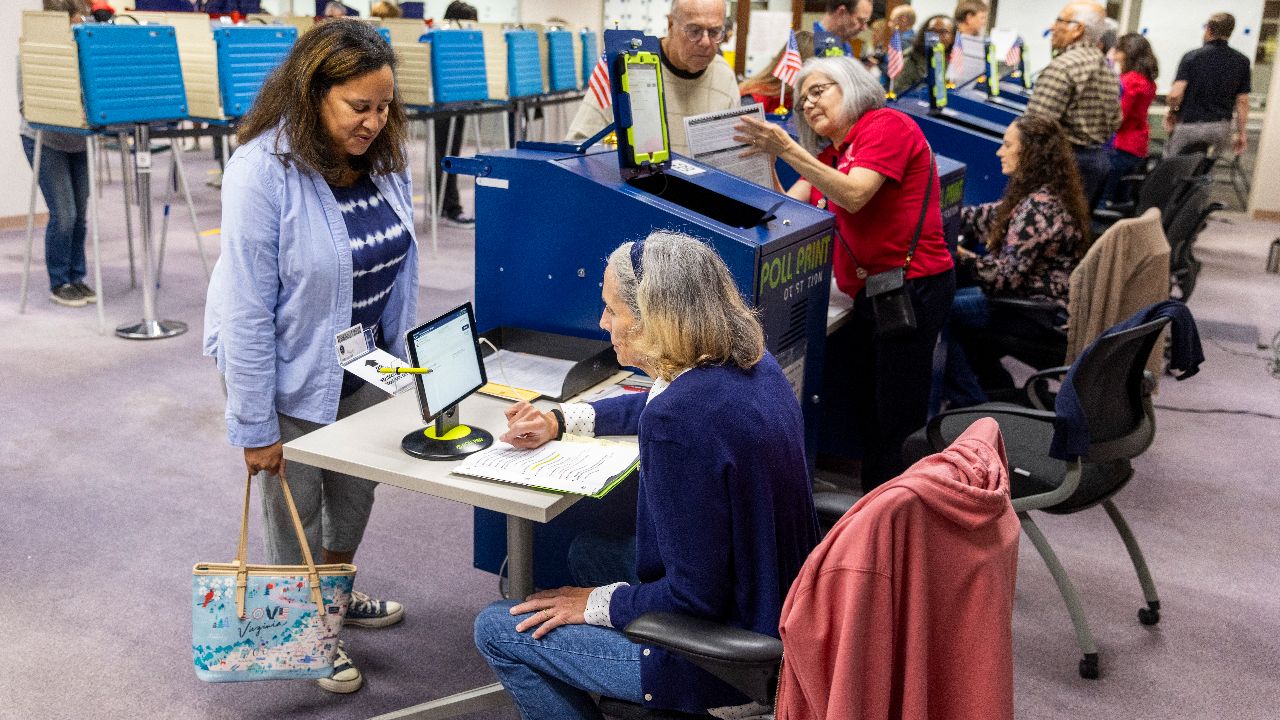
(457, 66)
(562, 67)
(547, 217)
(524, 64)
(246, 56)
(130, 73)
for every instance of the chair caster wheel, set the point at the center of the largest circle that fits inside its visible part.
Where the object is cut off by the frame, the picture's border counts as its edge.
(1089, 667)
(1149, 615)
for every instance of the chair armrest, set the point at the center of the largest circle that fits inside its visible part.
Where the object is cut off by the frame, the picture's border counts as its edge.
(1037, 386)
(1111, 215)
(744, 659)
(832, 505)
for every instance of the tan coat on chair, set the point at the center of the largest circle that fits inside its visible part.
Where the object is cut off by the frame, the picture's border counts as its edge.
(1124, 271)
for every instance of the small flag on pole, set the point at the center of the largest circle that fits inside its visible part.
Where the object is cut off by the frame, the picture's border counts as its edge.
(789, 65)
(1013, 58)
(955, 62)
(599, 84)
(894, 67)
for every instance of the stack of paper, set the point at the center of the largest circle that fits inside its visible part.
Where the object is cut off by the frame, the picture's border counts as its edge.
(579, 468)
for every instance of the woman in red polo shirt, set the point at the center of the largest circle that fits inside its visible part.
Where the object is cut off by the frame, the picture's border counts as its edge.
(1138, 71)
(878, 176)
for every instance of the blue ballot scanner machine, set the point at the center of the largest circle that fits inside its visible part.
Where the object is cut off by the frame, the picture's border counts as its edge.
(984, 97)
(959, 135)
(129, 73)
(548, 216)
(246, 56)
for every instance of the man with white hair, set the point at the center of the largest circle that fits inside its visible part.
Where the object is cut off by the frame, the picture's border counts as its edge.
(1080, 91)
(695, 79)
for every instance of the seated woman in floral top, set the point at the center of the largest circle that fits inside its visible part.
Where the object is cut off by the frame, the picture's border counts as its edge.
(1034, 237)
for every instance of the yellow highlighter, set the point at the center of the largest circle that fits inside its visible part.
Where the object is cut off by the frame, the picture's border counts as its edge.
(411, 371)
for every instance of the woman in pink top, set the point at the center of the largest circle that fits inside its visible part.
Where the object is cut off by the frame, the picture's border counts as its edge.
(1138, 71)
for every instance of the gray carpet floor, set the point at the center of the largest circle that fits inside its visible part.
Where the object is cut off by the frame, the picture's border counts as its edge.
(115, 477)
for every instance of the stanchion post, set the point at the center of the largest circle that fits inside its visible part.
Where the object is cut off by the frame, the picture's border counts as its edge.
(150, 328)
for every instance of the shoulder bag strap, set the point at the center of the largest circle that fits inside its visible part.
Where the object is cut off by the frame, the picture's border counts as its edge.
(924, 209)
(242, 552)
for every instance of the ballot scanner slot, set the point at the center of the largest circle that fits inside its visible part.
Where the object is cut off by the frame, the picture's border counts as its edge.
(592, 361)
(694, 197)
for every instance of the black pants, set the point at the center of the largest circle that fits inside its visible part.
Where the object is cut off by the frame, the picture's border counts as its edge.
(452, 205)
(1095, 165)
(891, 378)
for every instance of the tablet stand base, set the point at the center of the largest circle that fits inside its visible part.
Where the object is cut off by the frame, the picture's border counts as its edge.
(430, 444)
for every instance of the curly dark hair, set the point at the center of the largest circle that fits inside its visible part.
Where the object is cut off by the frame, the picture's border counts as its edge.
(1045, 160)
(330, 54)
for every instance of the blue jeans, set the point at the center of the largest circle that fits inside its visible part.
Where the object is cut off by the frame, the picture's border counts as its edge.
(64, 182)
(554, 677)
(1094, 164)
(1122, 164)
(969, 311)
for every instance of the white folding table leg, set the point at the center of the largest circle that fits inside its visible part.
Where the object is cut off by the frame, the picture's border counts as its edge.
(31, 221)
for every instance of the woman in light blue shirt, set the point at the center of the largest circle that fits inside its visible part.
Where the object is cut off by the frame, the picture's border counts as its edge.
(317, 236)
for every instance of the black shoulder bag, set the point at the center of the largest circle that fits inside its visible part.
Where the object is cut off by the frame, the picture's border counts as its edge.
(890, 301)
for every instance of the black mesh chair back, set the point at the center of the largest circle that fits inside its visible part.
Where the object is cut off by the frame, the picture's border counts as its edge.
(1182, 229)
(1109, 382)
(1165, 182)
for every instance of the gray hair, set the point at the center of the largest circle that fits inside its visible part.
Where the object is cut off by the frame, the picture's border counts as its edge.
(1110, 34)
(860, 93)
(688, 310)
(1092, 19)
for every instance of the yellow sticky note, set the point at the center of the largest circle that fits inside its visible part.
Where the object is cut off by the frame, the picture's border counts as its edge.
(506, 392)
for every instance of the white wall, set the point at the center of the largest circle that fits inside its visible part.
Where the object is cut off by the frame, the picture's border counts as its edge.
(1266, 182)
(16, 171)
(1031, 18)
(1174, 27)
(579, 13)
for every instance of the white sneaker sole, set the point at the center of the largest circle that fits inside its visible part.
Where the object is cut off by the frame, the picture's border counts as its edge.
(342, 687)
(79, 302)
(378, 622)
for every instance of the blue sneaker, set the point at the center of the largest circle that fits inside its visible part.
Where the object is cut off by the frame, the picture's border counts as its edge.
(366, 612)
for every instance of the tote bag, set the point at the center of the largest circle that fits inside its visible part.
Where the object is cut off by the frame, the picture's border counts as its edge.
(267, 622)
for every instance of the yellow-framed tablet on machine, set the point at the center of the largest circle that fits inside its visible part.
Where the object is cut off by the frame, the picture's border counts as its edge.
(647, 137)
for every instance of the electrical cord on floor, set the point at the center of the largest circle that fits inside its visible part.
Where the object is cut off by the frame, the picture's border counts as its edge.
(1218, 411)
(1239, 353)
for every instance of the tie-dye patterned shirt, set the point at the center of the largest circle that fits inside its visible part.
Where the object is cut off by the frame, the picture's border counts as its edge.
(379, 243)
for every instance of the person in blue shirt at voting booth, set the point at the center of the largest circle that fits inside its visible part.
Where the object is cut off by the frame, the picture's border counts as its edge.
(317, 236)
(724, 516)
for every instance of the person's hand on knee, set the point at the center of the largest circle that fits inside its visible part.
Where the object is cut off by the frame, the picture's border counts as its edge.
(551, 609)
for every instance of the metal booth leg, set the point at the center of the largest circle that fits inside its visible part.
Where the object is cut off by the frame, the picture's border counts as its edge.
(31, 221)
(433, 187)
(150, 328)
(127, 179)
(94, 191)
(191, 208)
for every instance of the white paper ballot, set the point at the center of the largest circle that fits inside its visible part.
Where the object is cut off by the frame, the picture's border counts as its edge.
(579, 468)
(711, 142)
(358, 356)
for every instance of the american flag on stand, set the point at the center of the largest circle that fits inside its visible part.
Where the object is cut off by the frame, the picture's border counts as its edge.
(955, 62)
(1013, 58)
(789, 65)
(894, 67)
(599, 84)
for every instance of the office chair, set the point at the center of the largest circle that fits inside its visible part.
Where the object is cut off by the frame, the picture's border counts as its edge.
(1162, 188)
(1030, 330)
(1183, 229)
(744, 659)
(1115, 393)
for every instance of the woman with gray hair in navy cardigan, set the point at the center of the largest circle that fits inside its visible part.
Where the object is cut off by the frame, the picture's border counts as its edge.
(724, 516)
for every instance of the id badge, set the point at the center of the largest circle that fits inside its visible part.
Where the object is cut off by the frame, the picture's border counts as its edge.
(884, 282)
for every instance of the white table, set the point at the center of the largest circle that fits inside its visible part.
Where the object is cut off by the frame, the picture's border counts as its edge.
(367, 445)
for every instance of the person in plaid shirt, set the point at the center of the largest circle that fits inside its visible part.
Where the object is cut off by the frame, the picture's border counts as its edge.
(1080, 91)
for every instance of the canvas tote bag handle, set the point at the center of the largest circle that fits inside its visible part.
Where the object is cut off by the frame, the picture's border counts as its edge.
(242, 553)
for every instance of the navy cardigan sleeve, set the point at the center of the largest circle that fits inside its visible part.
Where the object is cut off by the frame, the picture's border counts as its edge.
(620, 415)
